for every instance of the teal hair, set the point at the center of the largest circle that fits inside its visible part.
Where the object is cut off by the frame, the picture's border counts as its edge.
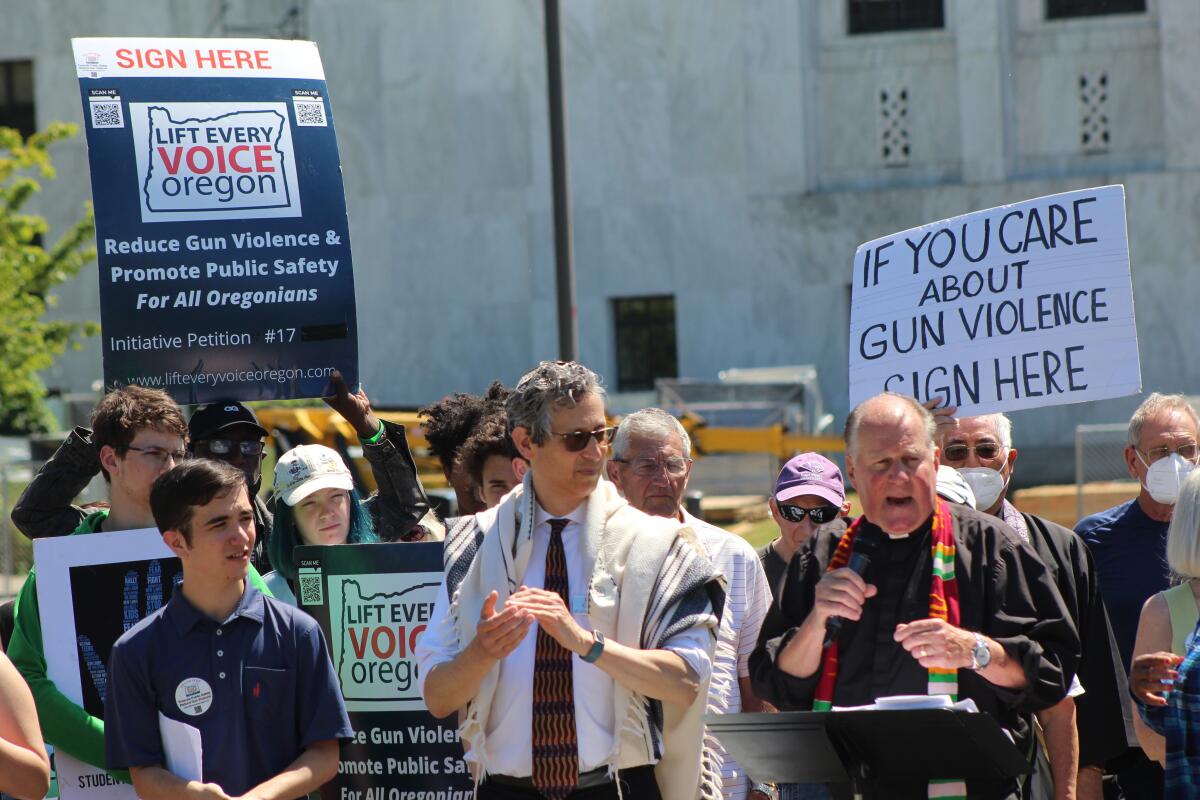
(285, 537)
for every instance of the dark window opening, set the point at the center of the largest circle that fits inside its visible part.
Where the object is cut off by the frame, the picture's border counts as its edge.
(16, 96)
(646, 347)
(1067, 9)
(883, 16)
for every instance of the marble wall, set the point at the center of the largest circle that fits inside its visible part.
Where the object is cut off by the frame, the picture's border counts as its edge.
(727, 153)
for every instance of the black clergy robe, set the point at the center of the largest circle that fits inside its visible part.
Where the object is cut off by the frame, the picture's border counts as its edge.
(1005, 592)
(1102, 713)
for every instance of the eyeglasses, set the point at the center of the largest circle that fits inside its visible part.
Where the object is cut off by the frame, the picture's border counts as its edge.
(675, 466)
(577, 440)
(1187, 452)
(819, 515)
(223, 447)
(158, 454)
(960, 452)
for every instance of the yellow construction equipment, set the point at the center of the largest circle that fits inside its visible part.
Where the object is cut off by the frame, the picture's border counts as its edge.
(321, 425)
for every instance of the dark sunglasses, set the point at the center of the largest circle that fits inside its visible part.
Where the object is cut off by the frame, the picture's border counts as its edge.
(960, 452)
(577, 440)
(224, 447)
(819, 515)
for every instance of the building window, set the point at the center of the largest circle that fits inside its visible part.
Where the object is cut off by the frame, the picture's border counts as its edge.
(883, 16)
(16, 96)
(646, 346)
(1066, 9)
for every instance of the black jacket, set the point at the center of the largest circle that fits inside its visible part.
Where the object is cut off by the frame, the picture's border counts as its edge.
(1103, 716)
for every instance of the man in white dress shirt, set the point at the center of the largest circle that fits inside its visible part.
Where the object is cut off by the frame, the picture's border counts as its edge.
(572, 633)
(651, 462)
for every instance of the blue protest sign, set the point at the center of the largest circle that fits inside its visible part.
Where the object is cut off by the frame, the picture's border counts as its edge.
(221, 230)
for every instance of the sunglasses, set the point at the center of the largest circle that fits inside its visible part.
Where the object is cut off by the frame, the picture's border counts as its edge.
(960, 452)
(819, 515)
(223, 447)
(577, 440)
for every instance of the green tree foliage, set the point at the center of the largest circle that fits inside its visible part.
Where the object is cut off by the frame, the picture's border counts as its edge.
(29, 271)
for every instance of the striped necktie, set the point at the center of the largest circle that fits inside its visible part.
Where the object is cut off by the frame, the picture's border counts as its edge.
(555, 746)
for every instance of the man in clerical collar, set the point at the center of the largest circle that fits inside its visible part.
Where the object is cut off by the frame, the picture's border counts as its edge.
(953, 602)
(572, 633)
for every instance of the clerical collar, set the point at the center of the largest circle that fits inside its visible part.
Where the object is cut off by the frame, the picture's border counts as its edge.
(919, 531)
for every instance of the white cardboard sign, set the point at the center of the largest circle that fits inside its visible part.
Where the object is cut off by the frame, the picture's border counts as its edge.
(55, 558)
(1013, 307)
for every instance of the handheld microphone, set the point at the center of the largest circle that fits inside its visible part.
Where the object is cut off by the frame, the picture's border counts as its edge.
(866, 545)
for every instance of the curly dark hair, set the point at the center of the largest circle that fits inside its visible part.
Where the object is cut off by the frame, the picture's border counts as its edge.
(489, 439)
(450, 421)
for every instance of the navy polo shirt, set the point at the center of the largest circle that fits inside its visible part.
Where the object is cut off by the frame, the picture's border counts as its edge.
(259, 686)
(1130, 550)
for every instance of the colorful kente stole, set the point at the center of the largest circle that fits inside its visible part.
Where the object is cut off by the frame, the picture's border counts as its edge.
(943, 604)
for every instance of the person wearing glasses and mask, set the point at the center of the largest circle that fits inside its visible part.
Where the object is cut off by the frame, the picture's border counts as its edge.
(1083, 733)
(651, 462)
(138, 434)
(1129, 541)
(809, 496)
(572, 633)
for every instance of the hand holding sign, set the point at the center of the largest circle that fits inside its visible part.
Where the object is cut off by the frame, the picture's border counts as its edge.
(355, 408)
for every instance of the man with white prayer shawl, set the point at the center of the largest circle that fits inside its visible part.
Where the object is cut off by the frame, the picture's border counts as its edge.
(573, 634)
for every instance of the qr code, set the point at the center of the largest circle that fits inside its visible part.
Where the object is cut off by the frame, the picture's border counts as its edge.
(311, 593)
(310, 114)
(107, 115)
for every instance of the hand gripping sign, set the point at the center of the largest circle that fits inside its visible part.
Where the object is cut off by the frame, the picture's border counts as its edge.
(225, 265)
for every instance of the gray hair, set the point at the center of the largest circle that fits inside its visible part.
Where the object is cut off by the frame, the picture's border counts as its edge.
(1157, 404)
(648, 422)
(551, 384)
(1002, 425)
(1183, 536)
(855, 418)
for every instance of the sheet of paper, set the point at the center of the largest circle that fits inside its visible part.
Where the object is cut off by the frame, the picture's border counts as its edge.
(181, 744)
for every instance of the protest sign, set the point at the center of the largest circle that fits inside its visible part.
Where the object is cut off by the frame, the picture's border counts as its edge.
(373, 602)
(91, 589)
(1014, 307)
(221, 230)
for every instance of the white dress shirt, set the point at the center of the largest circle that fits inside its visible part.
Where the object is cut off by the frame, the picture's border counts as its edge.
(747, 599)
(508, 746)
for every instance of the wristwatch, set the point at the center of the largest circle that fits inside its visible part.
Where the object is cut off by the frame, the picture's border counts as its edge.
(981, 656)
(597, 648)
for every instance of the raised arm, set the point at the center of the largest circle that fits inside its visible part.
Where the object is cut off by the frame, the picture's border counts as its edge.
(44, 508)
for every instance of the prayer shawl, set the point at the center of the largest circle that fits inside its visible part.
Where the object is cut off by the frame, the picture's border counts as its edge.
(649, 581)
(943, 604)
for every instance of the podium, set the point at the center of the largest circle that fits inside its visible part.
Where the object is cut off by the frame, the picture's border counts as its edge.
(857, 749)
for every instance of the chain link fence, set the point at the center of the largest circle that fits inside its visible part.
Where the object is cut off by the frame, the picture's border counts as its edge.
(1099, 456)
(16, 552)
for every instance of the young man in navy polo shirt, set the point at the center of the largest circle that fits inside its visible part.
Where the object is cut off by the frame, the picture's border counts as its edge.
(252, 674)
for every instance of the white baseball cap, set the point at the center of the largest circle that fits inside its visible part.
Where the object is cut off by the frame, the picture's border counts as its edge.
(309, 468)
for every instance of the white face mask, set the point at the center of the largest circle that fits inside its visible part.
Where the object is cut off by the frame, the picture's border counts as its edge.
(986, 483)
(1165, 476)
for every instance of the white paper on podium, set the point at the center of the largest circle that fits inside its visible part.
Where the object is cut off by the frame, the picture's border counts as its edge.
(908, 702)
(182, 748)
